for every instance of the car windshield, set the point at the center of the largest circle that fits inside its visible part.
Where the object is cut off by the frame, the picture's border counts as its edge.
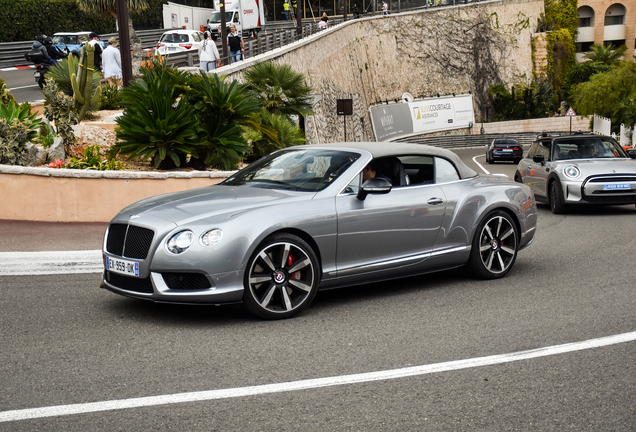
(175, 38)
(216, 17)
(65, 40)
(299, 170)
(589, 148)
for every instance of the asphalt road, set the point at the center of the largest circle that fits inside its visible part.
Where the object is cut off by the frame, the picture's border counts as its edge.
(64, 341)
(22, 85)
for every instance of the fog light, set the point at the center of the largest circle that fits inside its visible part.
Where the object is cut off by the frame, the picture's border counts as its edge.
(211, 237)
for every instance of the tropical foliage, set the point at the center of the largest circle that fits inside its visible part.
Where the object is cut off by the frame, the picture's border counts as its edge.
(17, 126)
(281, 133)
(279, 88)
(606, 55)
(610, 94)
(61, 72)
(59, 108)
(156, 125)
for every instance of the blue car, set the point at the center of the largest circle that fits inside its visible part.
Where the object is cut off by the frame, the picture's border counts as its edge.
(72, 41)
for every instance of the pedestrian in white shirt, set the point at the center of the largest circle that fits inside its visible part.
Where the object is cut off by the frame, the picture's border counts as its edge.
(111, 58)
(208, 54)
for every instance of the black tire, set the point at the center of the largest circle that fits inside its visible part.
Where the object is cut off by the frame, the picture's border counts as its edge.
(557, 204)
(518, 177)
(281, 278)
(495, 246)
(41, 81)
(488, 160)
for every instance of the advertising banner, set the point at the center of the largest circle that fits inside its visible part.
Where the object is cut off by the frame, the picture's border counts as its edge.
(424, 116)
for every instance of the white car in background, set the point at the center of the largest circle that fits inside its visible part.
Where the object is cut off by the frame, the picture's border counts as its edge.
(176, 41)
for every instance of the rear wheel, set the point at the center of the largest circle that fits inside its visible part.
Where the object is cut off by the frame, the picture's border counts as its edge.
(556, 198)
(518, 177)
(488, 160)
(494, 248)
(281, 278)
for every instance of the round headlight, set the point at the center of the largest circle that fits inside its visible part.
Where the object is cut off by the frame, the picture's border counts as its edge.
(211, 237)
(572, 171)
(180, 242)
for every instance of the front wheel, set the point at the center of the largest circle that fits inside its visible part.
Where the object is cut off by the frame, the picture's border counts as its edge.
(518, 177)
(281, 277)
(494, 248)
(556, 198)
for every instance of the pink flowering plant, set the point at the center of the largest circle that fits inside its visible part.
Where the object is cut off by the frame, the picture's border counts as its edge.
(57, 164)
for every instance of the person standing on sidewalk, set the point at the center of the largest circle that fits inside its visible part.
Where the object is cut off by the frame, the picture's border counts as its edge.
(208, 53)
(237, 46)
(111, 57)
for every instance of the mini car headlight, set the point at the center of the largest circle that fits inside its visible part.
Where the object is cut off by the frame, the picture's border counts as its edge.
(211, 237)
(179, 242)
(572, 171)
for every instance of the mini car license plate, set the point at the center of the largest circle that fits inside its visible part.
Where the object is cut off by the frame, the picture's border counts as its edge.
(617, 186)
(116, 265)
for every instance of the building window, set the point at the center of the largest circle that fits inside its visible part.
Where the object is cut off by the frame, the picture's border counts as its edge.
(614, 20)
(585, 22)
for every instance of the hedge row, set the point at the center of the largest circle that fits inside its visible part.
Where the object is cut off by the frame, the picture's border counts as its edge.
(22, 20)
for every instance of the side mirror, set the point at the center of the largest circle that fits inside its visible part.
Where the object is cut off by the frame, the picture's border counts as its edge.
(374, 185)
(539, 159)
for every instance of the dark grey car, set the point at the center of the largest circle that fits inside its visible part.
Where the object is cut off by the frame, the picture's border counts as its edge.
(303, 219)
(579, 169)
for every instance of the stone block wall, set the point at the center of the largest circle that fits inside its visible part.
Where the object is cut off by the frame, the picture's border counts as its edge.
(434, 51)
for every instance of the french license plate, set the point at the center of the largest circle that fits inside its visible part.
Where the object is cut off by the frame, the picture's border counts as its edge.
(126, 267)
(617, 186)
(507, 150)
(36, 75)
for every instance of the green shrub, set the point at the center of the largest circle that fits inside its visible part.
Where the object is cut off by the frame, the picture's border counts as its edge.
(92, 160)
(17, 127)
(111, 98)
(45, 137)
(59, 108)
(154, 124)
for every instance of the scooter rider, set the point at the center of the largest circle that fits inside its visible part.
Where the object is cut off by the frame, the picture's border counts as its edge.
(38, 45)
(53, 51)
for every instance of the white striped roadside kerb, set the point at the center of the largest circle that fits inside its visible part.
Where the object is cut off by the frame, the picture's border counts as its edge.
(50, 262)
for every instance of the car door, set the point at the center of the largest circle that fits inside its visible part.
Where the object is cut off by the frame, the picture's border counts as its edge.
(385, 234)
(535, 174)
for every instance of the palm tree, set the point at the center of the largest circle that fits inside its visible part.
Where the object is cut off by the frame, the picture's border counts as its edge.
(279, 88)
(609, 55)
(109, 8)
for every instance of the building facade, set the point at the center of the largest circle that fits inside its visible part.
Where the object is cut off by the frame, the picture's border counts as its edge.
(606, 22)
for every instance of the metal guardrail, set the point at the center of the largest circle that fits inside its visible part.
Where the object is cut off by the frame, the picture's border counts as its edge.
(12, 53)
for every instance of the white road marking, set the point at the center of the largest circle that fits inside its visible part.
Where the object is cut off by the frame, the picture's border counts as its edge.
(82, 408)
(29, 86)
(479, 165)
(46, 263)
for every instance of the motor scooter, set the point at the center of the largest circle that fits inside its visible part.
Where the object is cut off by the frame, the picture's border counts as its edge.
(42, 66)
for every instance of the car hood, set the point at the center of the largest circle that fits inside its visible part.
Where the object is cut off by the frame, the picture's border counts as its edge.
(590, 167)
(209, 201)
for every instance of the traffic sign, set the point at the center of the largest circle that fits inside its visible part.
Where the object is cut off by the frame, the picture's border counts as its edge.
(570, 113)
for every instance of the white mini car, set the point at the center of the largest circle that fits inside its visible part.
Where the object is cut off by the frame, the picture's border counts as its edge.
(175, 41)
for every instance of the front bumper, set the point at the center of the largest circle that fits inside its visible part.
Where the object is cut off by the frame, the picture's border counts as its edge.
(177, 287)
(601, 190)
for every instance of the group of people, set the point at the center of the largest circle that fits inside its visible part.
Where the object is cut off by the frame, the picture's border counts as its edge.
(287, 9)
(110, 57)
(209, 54)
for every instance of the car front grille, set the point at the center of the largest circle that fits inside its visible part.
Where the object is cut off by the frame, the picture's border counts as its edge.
(617, 178)
(129, 241)
(186, 281)
(129, 283)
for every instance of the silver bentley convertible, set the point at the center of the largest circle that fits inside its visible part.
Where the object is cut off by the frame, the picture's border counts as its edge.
(318, 217)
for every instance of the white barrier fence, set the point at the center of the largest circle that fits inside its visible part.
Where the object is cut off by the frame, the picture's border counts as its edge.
(602, 125)
(627, 136)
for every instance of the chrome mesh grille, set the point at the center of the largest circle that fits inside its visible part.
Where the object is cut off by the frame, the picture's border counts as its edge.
(129, 241)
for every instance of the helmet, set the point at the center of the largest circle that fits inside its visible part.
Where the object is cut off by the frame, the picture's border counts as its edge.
(40, 38)
(48, 41)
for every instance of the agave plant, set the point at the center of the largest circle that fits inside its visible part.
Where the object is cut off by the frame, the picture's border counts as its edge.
(154, 125)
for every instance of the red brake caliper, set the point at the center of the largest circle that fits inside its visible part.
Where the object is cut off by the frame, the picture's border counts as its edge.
(290, 261)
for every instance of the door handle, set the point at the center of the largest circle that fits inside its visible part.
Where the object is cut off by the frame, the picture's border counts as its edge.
(435, 201)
